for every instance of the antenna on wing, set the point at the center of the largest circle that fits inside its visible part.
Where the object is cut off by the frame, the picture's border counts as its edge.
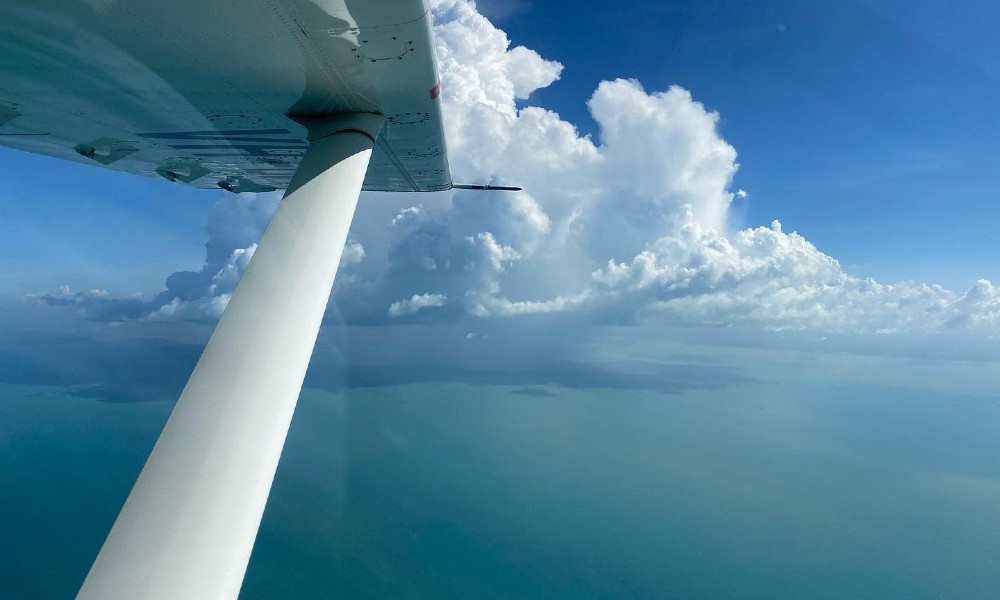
(477, 186)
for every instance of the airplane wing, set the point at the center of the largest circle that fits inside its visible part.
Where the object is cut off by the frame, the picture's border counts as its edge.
(321, 98)
(212, 93)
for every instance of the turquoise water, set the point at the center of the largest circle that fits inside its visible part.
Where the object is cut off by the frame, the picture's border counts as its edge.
(759, 490)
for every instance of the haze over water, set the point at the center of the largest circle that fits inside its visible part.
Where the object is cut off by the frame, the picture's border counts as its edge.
(765, 487)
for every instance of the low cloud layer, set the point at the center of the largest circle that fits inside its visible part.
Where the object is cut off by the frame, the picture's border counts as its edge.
(629, 228)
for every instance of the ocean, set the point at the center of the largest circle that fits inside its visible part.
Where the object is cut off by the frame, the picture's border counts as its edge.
(761, 489)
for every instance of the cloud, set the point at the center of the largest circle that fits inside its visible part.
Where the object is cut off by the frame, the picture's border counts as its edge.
(353, 254)
(779, 280)
(68, 296)
(414, 304)
(630, 226)
(235, 224)
(406, 213)
(528, 71)
(509, 254)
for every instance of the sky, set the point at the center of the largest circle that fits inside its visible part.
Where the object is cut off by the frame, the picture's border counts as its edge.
(868, 126)
(784, 167)
(807, 178)
(753, 262)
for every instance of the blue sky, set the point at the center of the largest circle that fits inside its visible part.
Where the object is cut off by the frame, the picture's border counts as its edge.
(71, 224)
(867, 127)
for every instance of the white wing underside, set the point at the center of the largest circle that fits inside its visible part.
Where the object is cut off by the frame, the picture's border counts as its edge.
(209, 93)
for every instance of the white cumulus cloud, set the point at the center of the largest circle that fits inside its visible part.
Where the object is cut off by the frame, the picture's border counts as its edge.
(415, 303)
(765, 276)
(528, 71)
(353, 254)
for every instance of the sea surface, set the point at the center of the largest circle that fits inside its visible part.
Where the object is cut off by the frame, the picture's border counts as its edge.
(758, 490)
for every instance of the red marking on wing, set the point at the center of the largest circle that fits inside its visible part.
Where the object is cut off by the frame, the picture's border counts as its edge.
(436, 91)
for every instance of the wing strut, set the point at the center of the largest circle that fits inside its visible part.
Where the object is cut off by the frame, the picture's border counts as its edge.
(188, 526)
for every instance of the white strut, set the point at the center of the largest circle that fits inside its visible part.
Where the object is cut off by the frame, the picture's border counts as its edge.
(189, 524)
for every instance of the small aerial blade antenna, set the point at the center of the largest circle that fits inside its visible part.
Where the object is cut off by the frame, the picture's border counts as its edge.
(477, 186)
